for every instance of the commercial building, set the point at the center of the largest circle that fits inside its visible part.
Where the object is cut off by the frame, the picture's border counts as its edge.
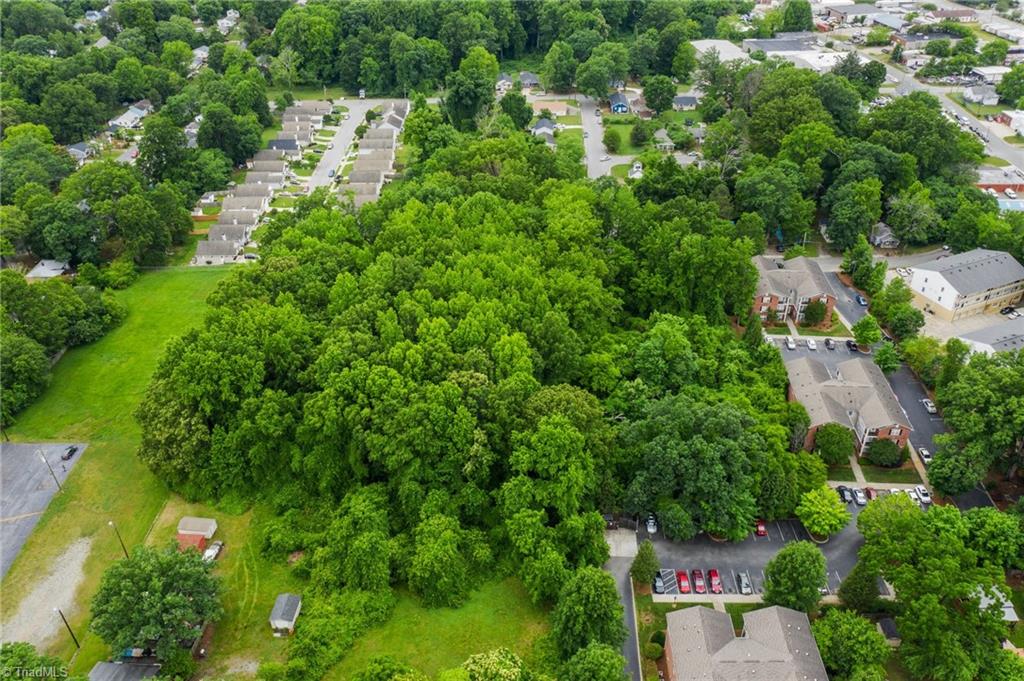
(853, 13)
(968, 283)
(990, 74)
(726, 50)
(855, 394)
(1005, 336)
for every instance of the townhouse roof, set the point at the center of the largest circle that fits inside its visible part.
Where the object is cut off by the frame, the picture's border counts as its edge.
(379, 133)
(359, 188)
(375, 176)
(248, 189)
(244, 203)
(800, 276)
(382, 143)
(777, 645)
(369, 164)
(263, 177)
(1005, 336)
(377, 154)
(857, 391)
(268, 166)
(284, 144)
(978, 270)
(234, 233)
(238, 217)
(217, 248)
(267, 155)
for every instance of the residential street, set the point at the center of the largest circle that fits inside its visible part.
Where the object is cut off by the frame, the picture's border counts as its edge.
(332, 158)
(126, 156)
(592, 147)
(619, 569)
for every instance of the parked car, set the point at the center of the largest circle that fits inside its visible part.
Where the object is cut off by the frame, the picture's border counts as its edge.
(1010, 193)
(790, 343)
(760, 529)
(913, 495)
(683, 580)
(830, 344)
(698, 582)
(811, 344)
(659, 584)
(862, 301)
(330, 173)
(251, 256)
(135, 153)
(745, 587)
(859, 497)
(871, 493)
(716, 581)
(1016, 314)
(844, 493)
(212, 551)
(1006, 310)
(330, 145)
(586, 134)
(652, 525)
(926, 456)
(606, 157)
(923, 494)
(929, 406)
(68, 453)
(852, 346)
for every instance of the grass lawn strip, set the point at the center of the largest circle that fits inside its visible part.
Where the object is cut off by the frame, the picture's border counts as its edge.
(842, 473)
(94, 390)
(434, 639)
(899, 475)
(736, 611)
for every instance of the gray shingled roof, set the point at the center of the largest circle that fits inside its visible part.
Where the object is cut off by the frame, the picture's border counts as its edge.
(369, 164)
(238, 217)
(114, 671)
(243, 203)
(286, 607)
(777, 645)
(375, 176)
(976, 271)
(800, 276)
(1003, 337)
(858, 391)
(253, 190)
(359, 188)
(267, 155)
(388, 143)
(269, 166)
(379, 133)
(216, 248)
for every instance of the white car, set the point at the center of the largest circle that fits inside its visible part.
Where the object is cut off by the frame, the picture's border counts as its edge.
(929, 406)
(913, 495)
(790, 343)
(1010, 193)
(606, 157)
(926, 456)
(923, 494)
(652, 525)
(1014, 315)
(212, 551)
(811, 345)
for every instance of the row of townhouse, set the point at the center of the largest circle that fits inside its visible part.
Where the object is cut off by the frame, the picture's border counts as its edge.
(374, 163)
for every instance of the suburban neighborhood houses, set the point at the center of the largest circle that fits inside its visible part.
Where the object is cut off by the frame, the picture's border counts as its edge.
(408, 340)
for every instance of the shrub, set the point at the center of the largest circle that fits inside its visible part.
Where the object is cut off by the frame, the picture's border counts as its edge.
(884, 453)
(612, 140)
(120, 274)
(653, 651)
(814, 313)
(658, 637)
(835, 443)
(640, 134)
(645, 564)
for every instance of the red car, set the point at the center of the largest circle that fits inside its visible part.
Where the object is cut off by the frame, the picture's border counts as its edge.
(135, 153)
(684, 581)
(871, 492)
(698, 582)
(760, 530)
(716, 581)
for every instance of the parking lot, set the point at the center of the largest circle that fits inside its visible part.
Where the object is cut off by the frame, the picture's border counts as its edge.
(752, 554)
(26, 487)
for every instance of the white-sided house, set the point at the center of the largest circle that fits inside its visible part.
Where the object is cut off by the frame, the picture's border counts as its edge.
(256, 203)
(215, 252)
(285, 613)
(882, 236)
(80, 151)
(981, 94)
(968, 283)
(1004, 336)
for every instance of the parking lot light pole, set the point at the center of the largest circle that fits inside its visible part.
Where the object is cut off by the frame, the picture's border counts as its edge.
(121, 541)
(73, 637)
(50, 468)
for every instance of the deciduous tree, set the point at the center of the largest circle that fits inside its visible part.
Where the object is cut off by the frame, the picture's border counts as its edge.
(794, 576)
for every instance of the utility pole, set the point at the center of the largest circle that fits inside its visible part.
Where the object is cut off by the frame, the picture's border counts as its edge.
(73, 637)
(123, 549)
(50, 468)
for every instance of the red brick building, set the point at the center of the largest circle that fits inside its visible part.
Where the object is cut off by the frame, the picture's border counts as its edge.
(786, 287)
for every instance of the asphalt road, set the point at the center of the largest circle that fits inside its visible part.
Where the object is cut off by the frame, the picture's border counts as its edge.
(593, 149)
(332, 158)
(26, 487)
(127, 156)
(619, 569)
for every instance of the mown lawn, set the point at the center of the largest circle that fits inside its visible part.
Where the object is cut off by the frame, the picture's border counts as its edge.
(976, 109)
(498, 614)
(842, 473)
(624, 129)
(836, 330)
(570, 119)
(1014, 139)
(736, 611)
(995, 161)
(91, 398)
(898, 475)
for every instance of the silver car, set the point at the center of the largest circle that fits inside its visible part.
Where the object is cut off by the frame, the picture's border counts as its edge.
(745, 588)
(859, 497)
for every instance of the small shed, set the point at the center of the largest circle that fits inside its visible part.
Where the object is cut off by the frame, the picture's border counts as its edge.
(285, 612)
(47, 269)
(195, 532)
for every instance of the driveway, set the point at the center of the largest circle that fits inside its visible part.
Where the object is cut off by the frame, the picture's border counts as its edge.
(343, 137)
(129, 155)
(753, 553)
(622, 549)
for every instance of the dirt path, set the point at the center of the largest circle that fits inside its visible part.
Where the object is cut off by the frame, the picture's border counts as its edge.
(35, 620)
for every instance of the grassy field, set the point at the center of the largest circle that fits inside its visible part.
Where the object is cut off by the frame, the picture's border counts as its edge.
(978, 110)
(680, 117)
(899, 475)
(837, 329)
(95, 389)
(497, 614)
(570, 119)
(621, 170)
(626, 148)
(1015, 139)
(283, 202)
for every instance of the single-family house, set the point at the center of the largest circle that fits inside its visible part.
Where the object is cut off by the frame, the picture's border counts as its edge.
(882, 236)
(968, 283)
(210, 253)
(94, 15)
(636, 171)
(129, 119)
(662, 142)
(80, 151)
(776, 643)
(193, 531)
(855, 394)
(549, 138)
(618, 103)
(685, 102)
(981, 94)
(102, 42)
(285, 613)
(253, 189)
(543, 125)
(257, 203)
(1005, 336)
(199, 57)
(123, 671)
(144, 107)
(48, 269)
(1000, 601)
(786, 287)
(504, 83)
(990, 74)
(528, 79)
